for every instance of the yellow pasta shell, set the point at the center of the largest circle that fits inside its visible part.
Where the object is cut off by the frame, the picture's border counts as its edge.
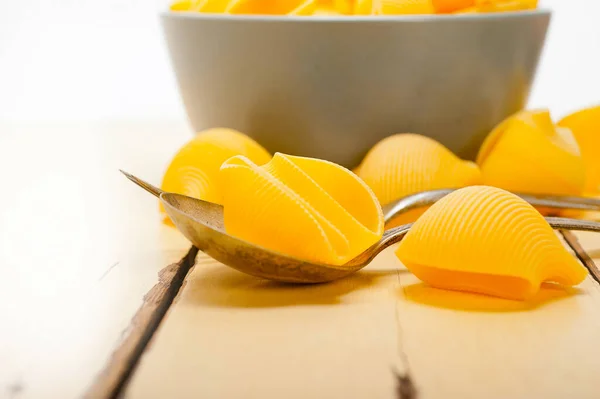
(266, 7)
(181, 5)
(585, 126)
(448, 6)
(528, 153)
(344, 6)
(393, 7)
(403, 7)
(308, 7)
(194, 171)
(363, 7)
(302, 207)
(210, 6)
(333, 7)
(405, 164)
(486, 240)
(505, 5)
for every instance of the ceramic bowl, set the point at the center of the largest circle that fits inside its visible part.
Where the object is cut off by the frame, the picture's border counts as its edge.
(331, 87)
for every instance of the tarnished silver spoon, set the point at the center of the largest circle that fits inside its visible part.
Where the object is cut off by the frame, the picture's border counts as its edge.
(428, 198)
(202, 223)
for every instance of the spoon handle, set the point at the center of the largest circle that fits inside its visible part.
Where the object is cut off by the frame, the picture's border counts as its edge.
(589, 201)
(396, 234)
(558, 202)
(573, 224)
(414, 201)
(427, 198)
(145, 185)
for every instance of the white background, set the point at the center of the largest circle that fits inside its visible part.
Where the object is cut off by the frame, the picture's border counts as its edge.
(85, 60)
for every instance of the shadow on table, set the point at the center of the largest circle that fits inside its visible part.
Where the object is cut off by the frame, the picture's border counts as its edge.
(426, 295)
(213, 284)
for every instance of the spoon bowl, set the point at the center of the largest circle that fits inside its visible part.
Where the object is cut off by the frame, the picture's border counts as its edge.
(201, 222)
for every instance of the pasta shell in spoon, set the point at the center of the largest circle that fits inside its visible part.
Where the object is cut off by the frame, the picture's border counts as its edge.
(486, 240)
(302, 207)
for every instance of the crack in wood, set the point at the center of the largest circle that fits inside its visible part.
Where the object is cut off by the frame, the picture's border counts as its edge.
(405, 387)
(582, 255)
(15, 389)
(108, 270)
(112, 381)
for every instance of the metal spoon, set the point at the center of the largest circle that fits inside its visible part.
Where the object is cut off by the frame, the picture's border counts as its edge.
(202, 223)
(428, 198)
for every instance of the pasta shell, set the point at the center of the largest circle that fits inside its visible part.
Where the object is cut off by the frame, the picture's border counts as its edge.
(448, 6)
(468, 10)
(309, 7)
(363, 7)
(210, 6)
(405, 164)
(486, 240)
(403, 7)
(505, 5)
(333, 7)
(262, 7)
(528, 153)
(393, 7)
(194, 171)
(181, 5)
(585, 126)
(344, 6)
(302, 207)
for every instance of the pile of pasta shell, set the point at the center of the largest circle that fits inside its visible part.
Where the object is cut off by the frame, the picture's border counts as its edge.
(350, 7)
(481, 238)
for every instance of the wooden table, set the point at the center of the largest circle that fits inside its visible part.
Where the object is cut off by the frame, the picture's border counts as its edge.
(80, 247)
(378, 334)
(80, 301)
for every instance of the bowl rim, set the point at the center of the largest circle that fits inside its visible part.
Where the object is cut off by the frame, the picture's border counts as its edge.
(417, 18)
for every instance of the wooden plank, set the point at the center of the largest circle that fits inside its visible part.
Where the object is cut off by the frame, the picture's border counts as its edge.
(378, 334)
(143, 325)
(80, 246)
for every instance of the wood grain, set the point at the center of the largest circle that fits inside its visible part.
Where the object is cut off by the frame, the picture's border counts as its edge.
(142, 327)
(572, 241)
(378, 334)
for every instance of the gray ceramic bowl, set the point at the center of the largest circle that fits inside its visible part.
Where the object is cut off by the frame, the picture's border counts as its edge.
(332, 87)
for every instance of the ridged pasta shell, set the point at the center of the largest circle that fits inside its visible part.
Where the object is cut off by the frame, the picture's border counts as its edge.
(333, 7)
(403, 7)
(308, 7)
(585, 125)
(302, 207)
(448, 6)
(405, 164)
(505, 5)
(486, 240)
(262, 7)
(528, 153)
(363, 7)
(194, 170)
(345, 7)
(210, 6)
(181, 5)
(393, 7)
